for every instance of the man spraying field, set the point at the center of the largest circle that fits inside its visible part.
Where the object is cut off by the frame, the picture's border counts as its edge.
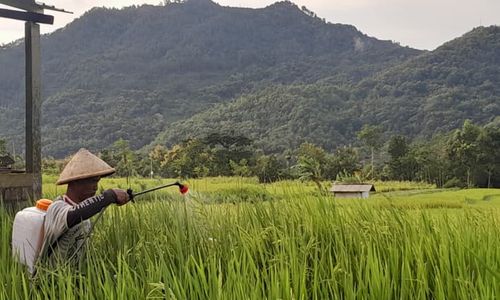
(66, 225)
(56, 232)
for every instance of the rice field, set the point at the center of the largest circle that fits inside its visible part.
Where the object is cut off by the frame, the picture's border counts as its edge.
(232, 238)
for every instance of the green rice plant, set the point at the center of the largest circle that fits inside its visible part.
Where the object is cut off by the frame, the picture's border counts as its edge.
(300, 245)
(237, 194)
(387, 186)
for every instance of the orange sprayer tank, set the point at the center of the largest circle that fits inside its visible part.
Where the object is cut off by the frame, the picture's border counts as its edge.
(28, 233)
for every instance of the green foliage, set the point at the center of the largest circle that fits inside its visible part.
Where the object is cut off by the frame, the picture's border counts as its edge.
(10, 158)
(298, 245)
(309, 169)
(439, 90)
(432, 160)
(489, 156)
(227, 148)
(412, 99)
(371, 136)
(268, 168)
(398, 147)
(277, 118)
(312, 163)
(188, 160)
(348, 178)
(402, 165)
(106, 78)
(472, 155)
(345, 161)
(293, 78)
(156, 156)
(454, 182)
(214, 155)
(51, 166)
(463, 158)
(464, 150)
(121, 158)
(252, 194)
(241, 169)
(222, 100)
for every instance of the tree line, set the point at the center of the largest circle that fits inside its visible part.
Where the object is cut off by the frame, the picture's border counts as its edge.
(466, 157)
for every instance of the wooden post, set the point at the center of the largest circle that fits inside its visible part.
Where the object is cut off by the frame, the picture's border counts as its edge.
(33, 106)
(30, 182)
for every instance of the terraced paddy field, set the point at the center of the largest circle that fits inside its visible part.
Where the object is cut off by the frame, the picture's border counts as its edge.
(232, 238)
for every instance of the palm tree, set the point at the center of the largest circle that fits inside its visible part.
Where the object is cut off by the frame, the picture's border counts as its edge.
(310, 169)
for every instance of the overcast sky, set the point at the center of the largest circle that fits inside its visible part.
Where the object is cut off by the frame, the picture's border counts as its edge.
(421, 24)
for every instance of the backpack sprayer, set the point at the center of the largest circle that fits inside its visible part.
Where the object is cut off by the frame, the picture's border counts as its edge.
(28, 227)
(28, 233)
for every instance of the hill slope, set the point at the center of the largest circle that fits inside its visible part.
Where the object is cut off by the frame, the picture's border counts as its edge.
(433, 92)
(438, 90)
(129, 73)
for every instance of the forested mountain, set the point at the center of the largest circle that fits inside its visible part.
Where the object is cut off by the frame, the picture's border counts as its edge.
(438, 90)
(279, 75)
(128, 73)
(433, 92)
(278, 118)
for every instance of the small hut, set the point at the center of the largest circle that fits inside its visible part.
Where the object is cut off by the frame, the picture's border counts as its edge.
(352, 190)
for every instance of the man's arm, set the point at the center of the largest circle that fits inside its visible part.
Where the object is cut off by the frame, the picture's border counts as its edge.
(90, 207)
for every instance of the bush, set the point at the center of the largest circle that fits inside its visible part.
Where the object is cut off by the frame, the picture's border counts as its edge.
(268, 169)
(454, 183)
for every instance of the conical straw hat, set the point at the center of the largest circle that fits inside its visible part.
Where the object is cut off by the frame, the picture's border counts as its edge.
(84, 165)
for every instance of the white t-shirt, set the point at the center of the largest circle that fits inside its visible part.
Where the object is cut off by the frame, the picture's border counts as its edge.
(61, 242)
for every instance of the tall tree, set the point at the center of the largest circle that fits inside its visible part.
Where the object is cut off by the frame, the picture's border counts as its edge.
(489, 157)
(156, 156)
(345, 161)
(228, 147)
(120, 156)
(309, 169)
(464, 151)
(371, 136)
(399, 162)
(191, 159)
(309, 154)
(268, 168)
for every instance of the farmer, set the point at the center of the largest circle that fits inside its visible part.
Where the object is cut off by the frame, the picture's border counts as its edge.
(66, 222)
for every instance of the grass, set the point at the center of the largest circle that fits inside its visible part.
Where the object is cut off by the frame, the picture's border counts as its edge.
(232, 238)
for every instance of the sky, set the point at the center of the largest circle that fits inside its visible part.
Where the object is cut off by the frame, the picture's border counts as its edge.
(421, 24)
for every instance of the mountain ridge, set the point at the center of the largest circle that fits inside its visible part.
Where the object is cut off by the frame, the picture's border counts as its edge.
(406, 99)
(131, 73)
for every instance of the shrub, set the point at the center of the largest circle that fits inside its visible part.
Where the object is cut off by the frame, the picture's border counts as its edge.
(453, 183)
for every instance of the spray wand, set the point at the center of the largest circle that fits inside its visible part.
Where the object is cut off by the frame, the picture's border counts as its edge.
(183, 189)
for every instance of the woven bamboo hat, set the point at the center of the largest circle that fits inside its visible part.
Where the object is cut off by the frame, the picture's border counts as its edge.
(84, 165)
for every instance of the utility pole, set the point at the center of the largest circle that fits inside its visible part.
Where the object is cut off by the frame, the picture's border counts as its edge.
(28, 184)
